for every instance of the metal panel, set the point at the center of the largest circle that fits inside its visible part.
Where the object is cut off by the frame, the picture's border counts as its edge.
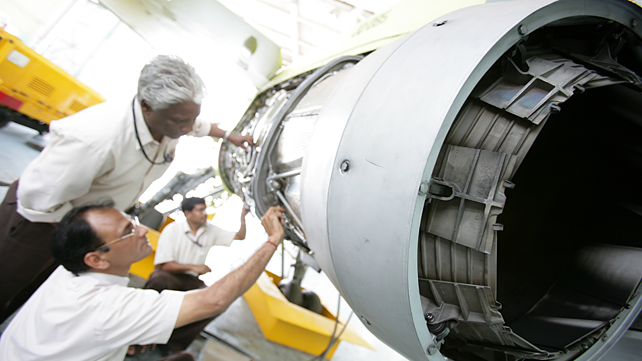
(276, 174)
(386, 227)
(362, 203)
(533, 94)
(475, 179)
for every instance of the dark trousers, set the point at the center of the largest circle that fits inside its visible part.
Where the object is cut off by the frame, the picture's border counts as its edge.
(180, 356)
(163, 280)
(25, 256)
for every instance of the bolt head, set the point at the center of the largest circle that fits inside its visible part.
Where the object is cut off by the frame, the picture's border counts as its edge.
(423, 188)
(275, 184)
(345, 166)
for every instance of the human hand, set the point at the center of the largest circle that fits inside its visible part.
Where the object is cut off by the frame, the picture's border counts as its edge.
(240, 140)
(273, 222)
(201, 269)
(131, 350)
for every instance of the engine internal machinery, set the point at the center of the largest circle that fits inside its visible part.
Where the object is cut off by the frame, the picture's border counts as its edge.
(471, 189)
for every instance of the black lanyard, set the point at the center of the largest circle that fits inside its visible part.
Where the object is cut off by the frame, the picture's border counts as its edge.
(167, 157)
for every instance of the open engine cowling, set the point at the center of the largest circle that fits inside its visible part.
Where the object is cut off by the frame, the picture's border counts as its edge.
(470, 189)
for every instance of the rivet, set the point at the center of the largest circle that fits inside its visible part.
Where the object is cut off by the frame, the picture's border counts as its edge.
(430, 317)
(423, 188)
(522, 29)
(345, 166)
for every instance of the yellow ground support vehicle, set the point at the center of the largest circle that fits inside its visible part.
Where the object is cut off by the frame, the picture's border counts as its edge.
(34, 91)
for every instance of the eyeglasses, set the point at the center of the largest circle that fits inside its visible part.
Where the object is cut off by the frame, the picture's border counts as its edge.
(134, 222)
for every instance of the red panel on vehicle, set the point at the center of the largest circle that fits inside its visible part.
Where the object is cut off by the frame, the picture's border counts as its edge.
(9, 101)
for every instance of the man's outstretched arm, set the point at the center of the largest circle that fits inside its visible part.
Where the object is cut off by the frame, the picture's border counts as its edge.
(236, 139)
(175, 267)
(214, 300)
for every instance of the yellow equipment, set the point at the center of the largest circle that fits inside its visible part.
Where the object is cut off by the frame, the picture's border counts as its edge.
(145, 266)
(291, 325)
(33, 91)
(280, 320)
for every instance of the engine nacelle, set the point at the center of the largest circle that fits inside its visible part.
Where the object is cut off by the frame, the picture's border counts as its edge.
(470, 189)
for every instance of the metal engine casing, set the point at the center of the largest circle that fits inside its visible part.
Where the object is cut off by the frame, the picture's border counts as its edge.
(395, 173)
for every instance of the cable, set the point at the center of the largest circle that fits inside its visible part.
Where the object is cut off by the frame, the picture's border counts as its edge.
(343, 329)
(336, 323)
(167, 157)
(282, 260)
(333, 340)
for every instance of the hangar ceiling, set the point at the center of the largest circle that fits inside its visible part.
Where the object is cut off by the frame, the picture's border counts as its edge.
(299, 26)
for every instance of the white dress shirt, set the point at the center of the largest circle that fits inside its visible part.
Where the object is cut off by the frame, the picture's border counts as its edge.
(93, 316)
(177, 243)
(94, 156)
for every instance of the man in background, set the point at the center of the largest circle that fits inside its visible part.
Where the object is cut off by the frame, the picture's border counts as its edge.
(180, 258)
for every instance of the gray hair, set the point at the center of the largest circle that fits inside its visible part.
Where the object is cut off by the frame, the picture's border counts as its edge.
(168, 80)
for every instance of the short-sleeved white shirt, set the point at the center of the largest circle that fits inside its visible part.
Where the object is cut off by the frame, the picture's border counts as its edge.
(94, 156)
(177, 243)
(92, 316)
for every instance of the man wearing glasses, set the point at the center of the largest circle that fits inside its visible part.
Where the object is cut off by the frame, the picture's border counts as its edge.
(110, 151)
(180, 258)
(84, 311)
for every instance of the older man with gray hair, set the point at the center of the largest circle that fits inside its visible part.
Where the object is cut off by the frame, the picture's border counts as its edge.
(108, 152)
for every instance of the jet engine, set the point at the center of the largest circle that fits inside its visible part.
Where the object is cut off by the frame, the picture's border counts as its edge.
(471, 189)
